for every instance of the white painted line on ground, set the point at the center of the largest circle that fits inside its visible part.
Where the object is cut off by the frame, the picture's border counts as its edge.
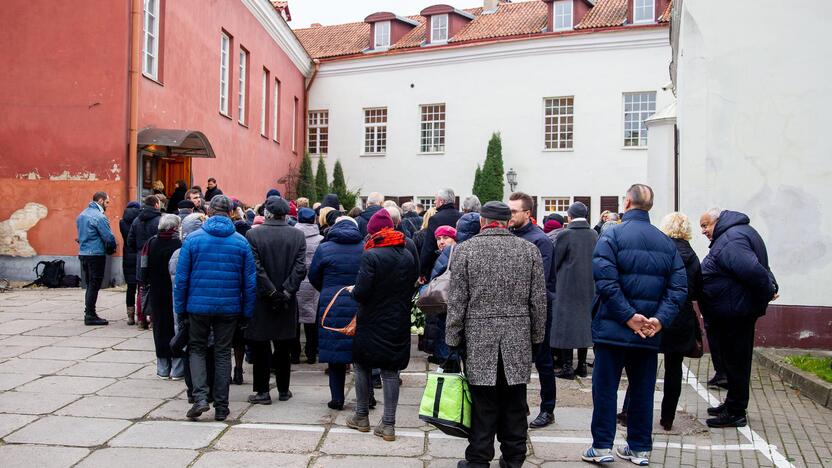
(769, 451)
(280, 427)
(665, 445)
(346, 430)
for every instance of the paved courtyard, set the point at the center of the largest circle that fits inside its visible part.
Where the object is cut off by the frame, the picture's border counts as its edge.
(72, 395)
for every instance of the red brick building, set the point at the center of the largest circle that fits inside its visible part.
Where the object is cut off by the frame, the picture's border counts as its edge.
(115, 95)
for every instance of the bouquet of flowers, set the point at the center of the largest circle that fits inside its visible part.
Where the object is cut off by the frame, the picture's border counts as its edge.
(417, 318)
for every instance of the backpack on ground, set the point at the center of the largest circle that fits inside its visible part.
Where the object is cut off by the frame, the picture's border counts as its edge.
(52, 275)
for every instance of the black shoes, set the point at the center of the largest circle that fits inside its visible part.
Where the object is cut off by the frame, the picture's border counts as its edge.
(666, 424)
(311, 359)
(197, 409)
(580, 371)
(542, 420)
(94, 320)
(336, 405)
(295, 359)
(376, 381)
(283, 396)
(238, 376)
(372, 402)
(716, 410)
(718, 382)
(220, 414)
(566, 373)
(435, 360)
(262, 398)
(622, 418)
(726, 419)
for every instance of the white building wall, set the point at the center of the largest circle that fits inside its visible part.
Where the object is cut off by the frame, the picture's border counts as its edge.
(753, 104)
(497, 88)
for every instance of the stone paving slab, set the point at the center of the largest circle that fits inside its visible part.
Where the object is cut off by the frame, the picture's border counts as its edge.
(69, 430)
(138, 458)
(101, 369)
(271, 438)
(111, 407)
(10, 381)
(33, 366)
(61, 329)
(33, 403)
(12, 422)
(289, 413)
(16, 327)
(144, 388)
(26, 340)
(251, 460)
(176, 409)
(343, 441)
(136, 344)
(137, 357)
(29, 456)
(84, 341)
(339, 461)
(67, 384)
(169, 434)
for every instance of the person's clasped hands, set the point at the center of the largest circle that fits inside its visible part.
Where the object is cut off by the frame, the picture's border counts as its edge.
(643, 326)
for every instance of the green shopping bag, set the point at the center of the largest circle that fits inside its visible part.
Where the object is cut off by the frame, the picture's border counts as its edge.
(446, 403)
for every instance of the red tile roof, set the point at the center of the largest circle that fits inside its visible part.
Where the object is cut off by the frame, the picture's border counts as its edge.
(510, 20)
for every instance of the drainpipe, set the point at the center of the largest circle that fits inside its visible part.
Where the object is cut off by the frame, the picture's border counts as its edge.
(135, 71)
(316, 65)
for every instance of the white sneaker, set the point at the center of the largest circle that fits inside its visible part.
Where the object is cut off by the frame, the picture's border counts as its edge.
(636, 458)
(594, 455)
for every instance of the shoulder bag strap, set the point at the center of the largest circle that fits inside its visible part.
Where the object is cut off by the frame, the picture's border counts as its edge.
(331, 303)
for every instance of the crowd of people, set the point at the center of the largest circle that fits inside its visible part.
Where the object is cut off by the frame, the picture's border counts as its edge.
(220, 280)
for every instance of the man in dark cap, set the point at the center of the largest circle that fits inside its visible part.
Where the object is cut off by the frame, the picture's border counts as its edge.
(280, 255)
(499, 333)
(185, 207)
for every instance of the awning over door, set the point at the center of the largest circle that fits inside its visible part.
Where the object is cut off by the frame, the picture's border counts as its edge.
(174, 142)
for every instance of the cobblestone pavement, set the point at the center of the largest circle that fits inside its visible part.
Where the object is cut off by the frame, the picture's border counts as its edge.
(72, 395)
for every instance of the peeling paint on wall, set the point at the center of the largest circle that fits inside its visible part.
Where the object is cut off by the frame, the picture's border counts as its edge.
(65, 175)
(33, 175)
(116, 171)
(13, 231)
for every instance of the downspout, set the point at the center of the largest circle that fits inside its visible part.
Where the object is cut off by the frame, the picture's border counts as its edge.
(316, 65)
(135, 65)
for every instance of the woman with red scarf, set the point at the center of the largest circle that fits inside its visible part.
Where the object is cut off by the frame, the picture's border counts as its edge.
(383, 289)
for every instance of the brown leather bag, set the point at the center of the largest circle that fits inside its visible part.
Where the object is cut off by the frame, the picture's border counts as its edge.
(433, 299)
(349, 330)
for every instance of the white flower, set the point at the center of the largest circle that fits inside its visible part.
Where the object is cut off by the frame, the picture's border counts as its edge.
(414, 331)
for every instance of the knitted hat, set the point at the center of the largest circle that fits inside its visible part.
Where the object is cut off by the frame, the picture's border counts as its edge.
(221, 204)
(276, 206)
(191, 223)
(272, 193)
(551, 225)
(258, 220)
(306, 216)
(557, 217)
(331, 216)
(446, 231)
(186, 204)
(498, 211)
(577, 210)
(380, 220)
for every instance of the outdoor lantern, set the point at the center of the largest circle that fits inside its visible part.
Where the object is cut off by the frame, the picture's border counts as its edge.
(511, 176)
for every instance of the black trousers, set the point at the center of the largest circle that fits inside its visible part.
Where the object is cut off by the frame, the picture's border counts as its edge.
(310, 349)
(199, 330)
(499, 410)
(262, 359)
(672, 385)
(131, 294)
(92, 267)
(713, 345)
(736, 342)
(566, 356)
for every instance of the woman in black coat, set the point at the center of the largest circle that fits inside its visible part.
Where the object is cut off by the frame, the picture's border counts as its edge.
(178, 196)
(156, 275)
(128, 258)
(383, 289)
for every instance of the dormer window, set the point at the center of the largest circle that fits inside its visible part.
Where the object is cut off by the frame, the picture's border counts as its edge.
(644, 11)
(439, 28)
(563, 15)
(382, 35)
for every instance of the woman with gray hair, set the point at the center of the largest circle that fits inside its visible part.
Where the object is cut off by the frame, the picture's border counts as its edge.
(155, 274)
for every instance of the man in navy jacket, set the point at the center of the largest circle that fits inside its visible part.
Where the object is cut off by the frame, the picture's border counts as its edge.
(640, 283)
(737, 286)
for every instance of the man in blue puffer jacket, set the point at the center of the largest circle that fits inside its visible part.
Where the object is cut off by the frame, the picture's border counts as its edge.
(216, 283)
(737, 285)
(640, 283)
(96, 241)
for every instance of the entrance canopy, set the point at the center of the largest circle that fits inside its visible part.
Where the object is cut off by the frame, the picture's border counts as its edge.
(174, 142)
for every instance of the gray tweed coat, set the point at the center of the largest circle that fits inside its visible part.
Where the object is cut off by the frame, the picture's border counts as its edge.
(496, 305)
(575, 286)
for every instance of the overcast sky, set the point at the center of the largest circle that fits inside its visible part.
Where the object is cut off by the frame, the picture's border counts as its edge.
(329, 12)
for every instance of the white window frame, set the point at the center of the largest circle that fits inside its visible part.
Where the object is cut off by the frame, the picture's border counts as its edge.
(317, 125)
(150, 55)
(427, 202)
(375, 131)
(641, 106)
(641, 8)
(432, 130)
(563, 15)
(264, 103)
(225, 48)
(438, 31)
(276, 112)
(558, 202)
(241, 81)
(295, 125)
(381, 35)
(559, 123)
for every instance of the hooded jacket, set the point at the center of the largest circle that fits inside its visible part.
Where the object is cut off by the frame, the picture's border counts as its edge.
(637, 269)
(215, 273)
(128, 260)
(736, 278)
(94, 234)
(467, 226)
(364, 218)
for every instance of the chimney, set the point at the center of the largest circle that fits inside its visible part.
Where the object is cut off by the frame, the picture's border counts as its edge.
(490, 5)
(315, 25)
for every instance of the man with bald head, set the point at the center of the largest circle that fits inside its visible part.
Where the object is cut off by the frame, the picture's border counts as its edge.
(707, 222)
(640, 283)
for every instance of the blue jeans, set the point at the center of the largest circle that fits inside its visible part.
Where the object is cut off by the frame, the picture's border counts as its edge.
(364, 389)
(606, 375)
(545, 366)
(441, 349)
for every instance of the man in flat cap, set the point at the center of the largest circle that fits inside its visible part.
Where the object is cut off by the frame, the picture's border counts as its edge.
(214, 298)
(497, 318)
(280, 255)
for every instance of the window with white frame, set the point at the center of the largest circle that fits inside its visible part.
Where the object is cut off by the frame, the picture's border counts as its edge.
(225, 45)
(241, 82)
(563, 15)
(264, 104)
(439, 28)
(427, 202)
(556, 204)
(375, 130)
(276, 106)
(433, 128)
(150, 62)
(558, 120)
(637, 108)
(644, 11)
(382, 35)
(295, 126)
(318, 132)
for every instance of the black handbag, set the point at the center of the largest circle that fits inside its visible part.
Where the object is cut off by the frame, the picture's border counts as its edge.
(180, 340)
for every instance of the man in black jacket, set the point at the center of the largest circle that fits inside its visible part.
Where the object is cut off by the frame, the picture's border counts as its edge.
(411, 222)
(737, 285)
(446, 215)
(374, 202)
(213, 190)
(145, 226)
